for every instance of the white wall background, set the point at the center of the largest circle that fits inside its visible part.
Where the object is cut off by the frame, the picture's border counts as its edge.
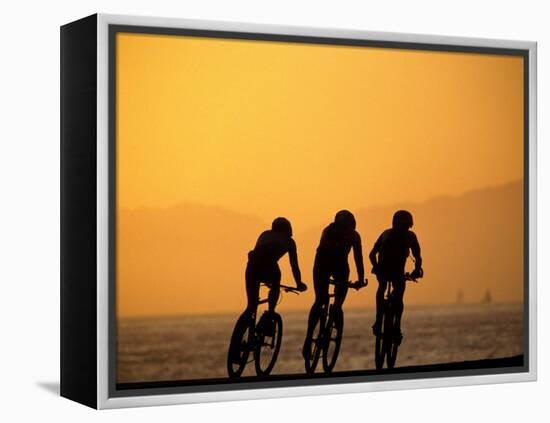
(29, 224)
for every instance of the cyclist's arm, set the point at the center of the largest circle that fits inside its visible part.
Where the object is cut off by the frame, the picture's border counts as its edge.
(415, 249)
(358, 257)
(293, 257)
(374, 252)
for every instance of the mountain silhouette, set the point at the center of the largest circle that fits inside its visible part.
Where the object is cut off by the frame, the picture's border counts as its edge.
(191, 258)
(470, 243)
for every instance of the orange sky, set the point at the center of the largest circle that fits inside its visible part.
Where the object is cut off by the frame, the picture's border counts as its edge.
(266, 129)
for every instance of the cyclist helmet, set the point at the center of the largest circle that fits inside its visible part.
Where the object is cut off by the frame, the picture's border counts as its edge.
(402, 219)
(282, 225)
(345, 219)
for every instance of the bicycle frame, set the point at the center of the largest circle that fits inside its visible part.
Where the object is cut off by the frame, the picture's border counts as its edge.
(265, 300)
(390, 288)
(330, 317)
(387, 342)
(326, 307)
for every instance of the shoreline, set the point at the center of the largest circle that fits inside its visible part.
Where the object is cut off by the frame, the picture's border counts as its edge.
(483, 366)
(296, 311)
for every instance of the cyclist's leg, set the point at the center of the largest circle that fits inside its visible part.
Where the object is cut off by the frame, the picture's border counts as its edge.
(271, 275)
(320, 285)
(382, 285)
(252, 288)
(252, 292)
(399, 292)
(274, 279)
(341, 277)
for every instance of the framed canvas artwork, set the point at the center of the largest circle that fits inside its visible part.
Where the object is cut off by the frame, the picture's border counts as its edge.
(255, 211)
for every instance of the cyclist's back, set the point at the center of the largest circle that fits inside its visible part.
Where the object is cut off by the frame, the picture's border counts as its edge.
(335, 245)
(393, 248)
(331, 258)
(262, 263)
(271, 246)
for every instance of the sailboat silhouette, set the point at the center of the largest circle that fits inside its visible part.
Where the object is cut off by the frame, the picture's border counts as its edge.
(487, 299)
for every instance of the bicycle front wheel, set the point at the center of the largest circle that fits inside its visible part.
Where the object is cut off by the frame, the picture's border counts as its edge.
(379, 351)
(269, 335)
(394, 340)
(240, 346)
(313, 345)
(333, 338)
(390, 342)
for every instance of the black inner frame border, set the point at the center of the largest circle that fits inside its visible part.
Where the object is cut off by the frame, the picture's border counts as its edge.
(213, 385)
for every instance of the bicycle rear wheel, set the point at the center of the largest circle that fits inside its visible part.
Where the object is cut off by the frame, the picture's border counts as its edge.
(269, 334)
(333, 338)
(314, 345)
(240, 346)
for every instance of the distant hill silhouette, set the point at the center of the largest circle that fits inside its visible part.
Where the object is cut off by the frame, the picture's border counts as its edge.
(191, 258)
(470, 244)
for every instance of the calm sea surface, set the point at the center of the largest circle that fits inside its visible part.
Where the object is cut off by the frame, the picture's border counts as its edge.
(184, 348)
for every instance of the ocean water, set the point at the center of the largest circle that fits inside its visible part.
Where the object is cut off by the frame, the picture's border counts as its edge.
(195, 347)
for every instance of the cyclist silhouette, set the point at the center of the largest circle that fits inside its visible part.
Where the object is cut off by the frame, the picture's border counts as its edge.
(388, 258)
(262, 264)
(263, 267)
(331, 260)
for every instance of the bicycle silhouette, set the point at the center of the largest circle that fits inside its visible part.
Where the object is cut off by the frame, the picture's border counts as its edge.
(262, 339)
(326, 337)
(389, 339)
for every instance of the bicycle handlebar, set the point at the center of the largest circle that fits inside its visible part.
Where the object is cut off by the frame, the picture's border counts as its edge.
(408, 277)
(285, 288)
(355, 285)
(292, 289)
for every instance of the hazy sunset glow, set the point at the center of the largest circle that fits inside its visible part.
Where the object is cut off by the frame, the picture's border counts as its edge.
(225, 135)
